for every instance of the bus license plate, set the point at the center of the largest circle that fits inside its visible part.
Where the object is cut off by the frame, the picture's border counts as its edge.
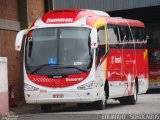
(58, 95)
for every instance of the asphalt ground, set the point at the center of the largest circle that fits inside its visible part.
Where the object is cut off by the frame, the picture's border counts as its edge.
(147, 107)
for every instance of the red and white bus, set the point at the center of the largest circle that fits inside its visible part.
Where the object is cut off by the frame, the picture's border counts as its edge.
(83, 56)
(154, 62)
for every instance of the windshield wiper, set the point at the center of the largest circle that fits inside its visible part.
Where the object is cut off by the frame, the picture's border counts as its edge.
(73, 67)
(42, 66)
(57, 67)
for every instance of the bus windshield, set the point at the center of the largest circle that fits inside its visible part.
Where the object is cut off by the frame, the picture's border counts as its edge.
(66, 49)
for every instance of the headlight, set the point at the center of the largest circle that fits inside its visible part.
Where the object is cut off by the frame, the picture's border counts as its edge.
(89, 85)
(30, 88)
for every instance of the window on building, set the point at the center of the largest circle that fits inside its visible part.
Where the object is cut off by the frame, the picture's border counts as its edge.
(48, 5)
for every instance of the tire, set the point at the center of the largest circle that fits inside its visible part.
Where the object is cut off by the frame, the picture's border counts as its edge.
(130, 100)
(45, 108)
(123, 101)
(84, 105)
(100, 105)
(133, 99)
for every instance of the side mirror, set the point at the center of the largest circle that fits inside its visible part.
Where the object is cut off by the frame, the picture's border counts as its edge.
(93, 36)
(19, 39)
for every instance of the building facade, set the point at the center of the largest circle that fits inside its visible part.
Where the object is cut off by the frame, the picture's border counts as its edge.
(105, 5)
(14, 16)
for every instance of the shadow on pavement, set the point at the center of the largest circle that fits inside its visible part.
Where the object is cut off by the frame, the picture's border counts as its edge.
(33, 109)
(153, 91)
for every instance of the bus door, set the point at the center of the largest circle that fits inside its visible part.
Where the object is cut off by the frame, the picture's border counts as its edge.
(129, 60)
(101, 59)
(114, 62)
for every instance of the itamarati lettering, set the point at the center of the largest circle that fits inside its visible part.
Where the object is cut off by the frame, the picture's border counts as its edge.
(49, 20)
(74, 79)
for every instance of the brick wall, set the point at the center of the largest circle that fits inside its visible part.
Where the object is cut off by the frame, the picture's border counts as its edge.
(35, 10)
(9, 11)
(7, 41)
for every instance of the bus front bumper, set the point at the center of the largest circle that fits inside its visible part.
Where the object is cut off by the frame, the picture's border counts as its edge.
(35, 97)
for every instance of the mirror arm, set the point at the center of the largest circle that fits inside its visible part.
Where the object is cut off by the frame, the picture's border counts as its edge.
(19, 39)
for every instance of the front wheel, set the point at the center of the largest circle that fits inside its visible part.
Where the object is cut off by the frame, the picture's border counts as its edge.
(101, 105)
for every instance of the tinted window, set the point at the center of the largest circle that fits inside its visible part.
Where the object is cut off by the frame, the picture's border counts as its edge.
(138, 34)
(101, 36)
(100, 51)
(125, 34)
(113, 36)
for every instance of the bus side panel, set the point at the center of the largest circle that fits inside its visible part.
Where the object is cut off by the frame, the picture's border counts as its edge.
(123, 66)
(114, 73)
(129, 70)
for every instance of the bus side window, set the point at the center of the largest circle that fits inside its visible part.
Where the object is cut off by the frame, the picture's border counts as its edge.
(134, 33)
(100, 51)
(101, 36)
(125, 34)
(138, 34)
(97, 56)
(113, 36)
(122, 33)
(142, 34)
(129, 33)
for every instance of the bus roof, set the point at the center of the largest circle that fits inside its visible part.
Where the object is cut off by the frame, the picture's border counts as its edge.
(64, 16)
(70, 15)
(124, 21)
